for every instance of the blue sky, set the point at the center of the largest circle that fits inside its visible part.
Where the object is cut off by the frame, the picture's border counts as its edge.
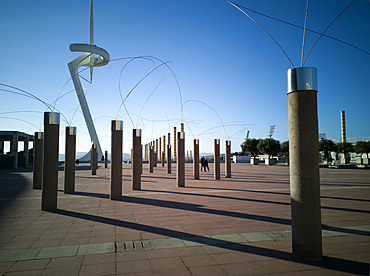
(222, 61)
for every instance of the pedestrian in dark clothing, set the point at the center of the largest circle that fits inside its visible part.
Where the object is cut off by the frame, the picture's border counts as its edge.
(202, 164)
(206, 165)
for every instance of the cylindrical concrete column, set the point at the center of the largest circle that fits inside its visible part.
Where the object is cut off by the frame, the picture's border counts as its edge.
(304, 163)
(180, 180)
(93, 159)
(136, 159)
(163, 158)
(51, 157)
(168, 158)
(228, 159)
(116, 160)
(151, 159)
(38, 155)
(217, 173)
(164, 146)
(69, 163)
(160, 148)
(174, 144)
(106, 159)
(196, 159)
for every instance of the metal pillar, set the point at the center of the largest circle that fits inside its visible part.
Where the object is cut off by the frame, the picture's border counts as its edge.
(174, 144)
(217, 174)
(38, 156)
(116, 160)
(49, 196)
(69, 163)
(180, 180)
(93, 162)
(304, 163)
(196, 159)
(151, 159)
(228, 159)
(136, 159)
(106, 159)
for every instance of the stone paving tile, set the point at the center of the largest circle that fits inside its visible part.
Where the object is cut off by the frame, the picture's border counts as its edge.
(54, 252)
(200, 260)
(98, 269)
(133, 267)
(208, 270)
(88, 249)
(25, 273)
(62, 271)
(75, 261)
(14, 255)
(166, 263)
(30, 265)
(242, 269)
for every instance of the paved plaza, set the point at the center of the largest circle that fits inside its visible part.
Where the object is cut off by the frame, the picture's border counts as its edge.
(237, 226)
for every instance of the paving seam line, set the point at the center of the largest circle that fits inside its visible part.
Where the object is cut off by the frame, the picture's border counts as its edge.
(154, 244)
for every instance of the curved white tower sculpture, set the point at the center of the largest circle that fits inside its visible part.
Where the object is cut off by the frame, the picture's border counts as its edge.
(87, 59)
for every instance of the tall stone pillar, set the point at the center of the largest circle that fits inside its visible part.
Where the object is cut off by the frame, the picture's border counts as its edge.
(69, 163)
(93, 159)
(156, 153)
(116, 160)
(106, 159)
(49, 189)
(217, 173)
(180, 159)
(38, 156)
(196, 159)
(160, 149)
(25, 150)
(151, 159)
(14, 149)
(228, 159)
(169, 158)
(304, 163)
(136, 159)
(174, 144)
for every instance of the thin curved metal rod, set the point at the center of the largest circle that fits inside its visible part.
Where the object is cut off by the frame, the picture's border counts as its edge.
(304, 33)
(327, 29)
(21, 121)
(76, 109)
(168, 120)
(187, 121)
(309, 30)
(212, 110)
(157, 84)
(27, 93)
(55, 102)
(264, 30)
(173, 74)
(119, 88)
(104, 117)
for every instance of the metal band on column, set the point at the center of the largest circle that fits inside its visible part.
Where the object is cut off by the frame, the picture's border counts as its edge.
(136, 159)
(116, 160)
(180, 159)
(217, 173)
(38, 155)
(304, 163)
(51, 157)
(196, 159)
(228, 159)
(69, 164)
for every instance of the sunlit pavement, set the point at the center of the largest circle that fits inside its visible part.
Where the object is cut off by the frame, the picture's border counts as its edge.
(237, 226)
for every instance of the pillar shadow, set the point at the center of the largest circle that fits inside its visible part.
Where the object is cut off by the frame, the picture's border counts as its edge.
(332, 263)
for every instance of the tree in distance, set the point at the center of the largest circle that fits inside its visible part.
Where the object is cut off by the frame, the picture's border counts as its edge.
(249, 147)
(285, 148)
(362, 147)
(327, 146)
(269, 146)
(344, 147)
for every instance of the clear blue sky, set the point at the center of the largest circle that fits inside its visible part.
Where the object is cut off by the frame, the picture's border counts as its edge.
(219, 56)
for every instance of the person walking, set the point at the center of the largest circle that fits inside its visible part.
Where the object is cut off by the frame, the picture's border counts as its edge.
(202, 164)
(206, 165)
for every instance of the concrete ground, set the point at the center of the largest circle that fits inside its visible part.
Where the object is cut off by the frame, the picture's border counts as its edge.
(237, 226)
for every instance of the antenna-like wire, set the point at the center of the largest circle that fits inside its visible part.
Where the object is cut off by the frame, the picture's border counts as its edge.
(327, 29)
(304, 33)
(264, 30)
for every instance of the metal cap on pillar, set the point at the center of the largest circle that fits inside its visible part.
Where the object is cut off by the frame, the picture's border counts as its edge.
(70, 130)
(117, 125)
(302, 79)
(39, 136)
(51, 118)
